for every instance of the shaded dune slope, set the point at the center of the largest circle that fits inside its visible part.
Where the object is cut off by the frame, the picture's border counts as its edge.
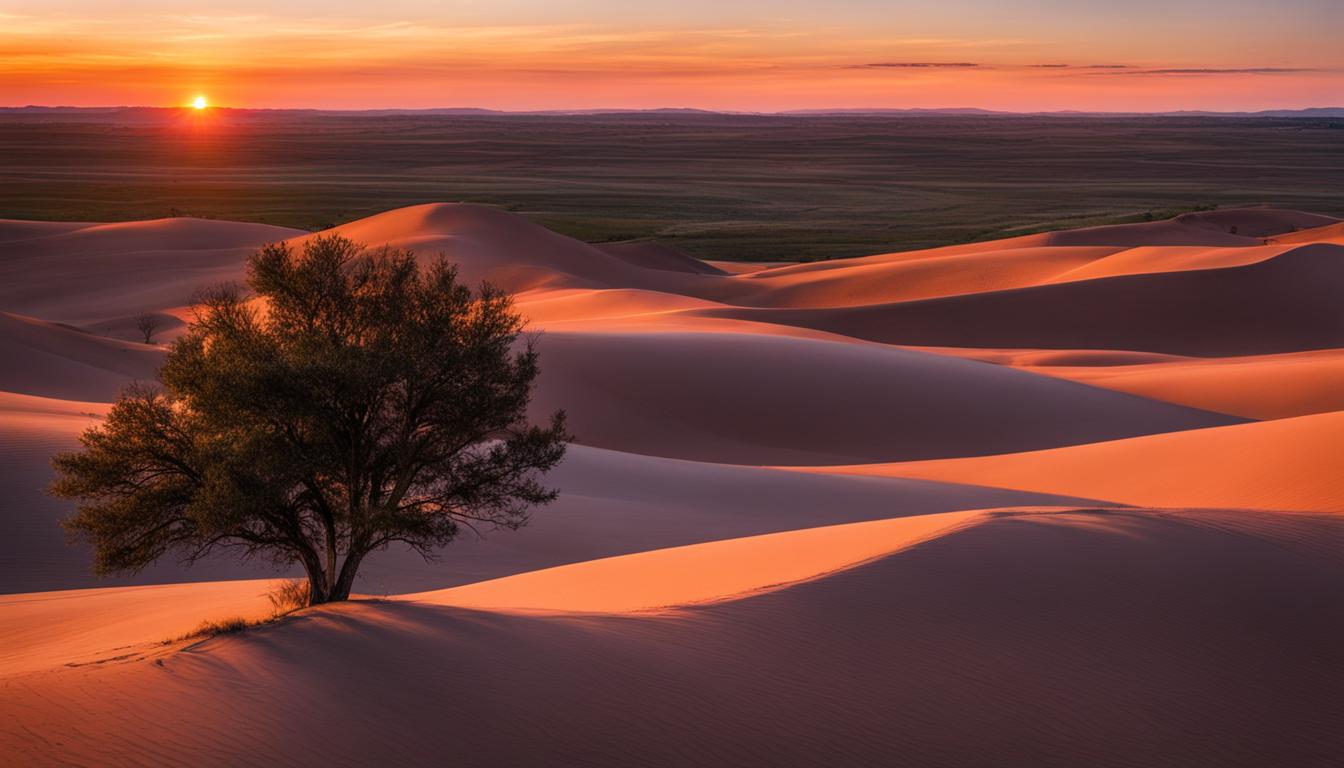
(653, 255)
(611, 504)
(51, 360)
(754, 399)
(95, 272)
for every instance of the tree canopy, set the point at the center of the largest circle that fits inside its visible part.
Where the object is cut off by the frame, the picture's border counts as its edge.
(355, 401)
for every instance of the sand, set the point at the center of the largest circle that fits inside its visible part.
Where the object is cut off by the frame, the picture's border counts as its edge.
(1095, 639)
(1063, 499)
(1284, 464)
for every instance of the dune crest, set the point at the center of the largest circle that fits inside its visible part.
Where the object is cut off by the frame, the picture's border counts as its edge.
(700, 573)
(1287, 464)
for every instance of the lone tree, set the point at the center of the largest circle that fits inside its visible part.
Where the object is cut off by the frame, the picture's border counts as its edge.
(147, 325)
(366, 401)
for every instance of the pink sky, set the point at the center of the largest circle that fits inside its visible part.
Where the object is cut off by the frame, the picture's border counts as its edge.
(528, 54)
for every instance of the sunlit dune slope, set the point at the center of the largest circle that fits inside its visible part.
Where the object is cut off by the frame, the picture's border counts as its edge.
(545, 308)
(699, 573)
(1330, 233)
(757, 399)
(1257, 387)
(1254, 386)
(505, 249)
(1287, 464)
(1113, 639)
(878, 279)
(44, 630)
(1287, 303)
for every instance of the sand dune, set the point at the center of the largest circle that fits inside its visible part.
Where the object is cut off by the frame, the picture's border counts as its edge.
(611, 504)
(545, 308)
(868, 281)
(1287, 464)
(1043, 640)
(51, 360)
(754, 399)
(1329, 233)
(942, 570)
(45, 630)
(1257, 387)
(94, 272)
(52, 629)
(12, 230)
(653, 255)
(1223, 227)
(1288, 303)
(1050, 359)
(699, 573)
(183, 234)
(1150, 259)
(502, 248)
(877, 280)
(1258, 222)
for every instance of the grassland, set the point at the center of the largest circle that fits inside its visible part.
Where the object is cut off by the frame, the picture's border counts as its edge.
(726, 187)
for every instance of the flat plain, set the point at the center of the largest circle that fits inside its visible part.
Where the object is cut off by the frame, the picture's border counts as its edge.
(735, 187)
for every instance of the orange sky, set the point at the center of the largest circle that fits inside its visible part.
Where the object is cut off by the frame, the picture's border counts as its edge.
(748, 55)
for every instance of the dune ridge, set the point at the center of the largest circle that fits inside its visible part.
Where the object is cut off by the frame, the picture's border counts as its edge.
(1284, 464)
(1284, 304)
(720, 570)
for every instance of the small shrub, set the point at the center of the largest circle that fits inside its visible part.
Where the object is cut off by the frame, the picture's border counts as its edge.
(288, 596)
(209, 629)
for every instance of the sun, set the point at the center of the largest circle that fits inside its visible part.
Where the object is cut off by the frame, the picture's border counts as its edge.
(199, 102)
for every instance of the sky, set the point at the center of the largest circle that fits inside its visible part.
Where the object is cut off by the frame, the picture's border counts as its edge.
(751, 55)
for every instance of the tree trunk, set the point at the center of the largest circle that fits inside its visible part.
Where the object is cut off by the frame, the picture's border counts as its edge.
(346, 582)
(331, 560)
(318, 592)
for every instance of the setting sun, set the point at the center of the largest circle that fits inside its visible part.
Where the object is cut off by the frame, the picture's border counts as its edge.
(199, 102)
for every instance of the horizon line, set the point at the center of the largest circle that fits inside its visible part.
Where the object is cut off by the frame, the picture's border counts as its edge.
(703, 110)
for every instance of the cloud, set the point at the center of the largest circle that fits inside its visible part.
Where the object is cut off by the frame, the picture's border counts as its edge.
(1049, 66)
(915, 65)
(1214, 71)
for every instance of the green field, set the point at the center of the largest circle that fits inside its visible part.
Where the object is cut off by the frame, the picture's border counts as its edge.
(716, 186)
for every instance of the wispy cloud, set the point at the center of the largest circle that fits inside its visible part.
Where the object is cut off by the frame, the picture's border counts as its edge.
(915, 65)
(1212, 71)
